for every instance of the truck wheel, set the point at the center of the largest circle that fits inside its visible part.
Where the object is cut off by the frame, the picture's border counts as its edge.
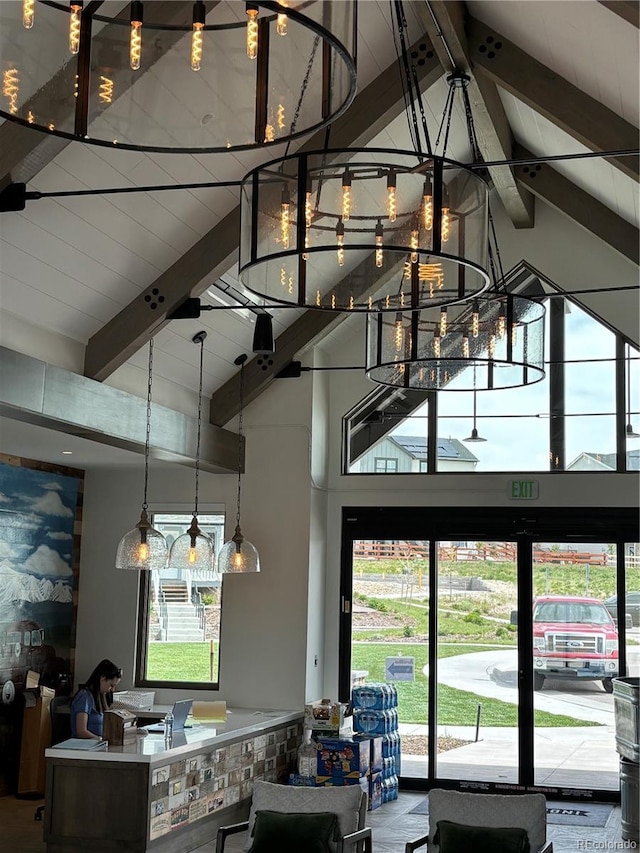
(607, 683)
(538, 681)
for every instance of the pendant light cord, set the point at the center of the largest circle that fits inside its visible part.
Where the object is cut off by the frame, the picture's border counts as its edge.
(240, 424)
(195, 504)
(148, 433)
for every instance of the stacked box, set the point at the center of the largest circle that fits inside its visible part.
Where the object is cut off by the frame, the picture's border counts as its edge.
(325, 718)
(302, 781)
(375, 790)
(345, 757)
(375, 713)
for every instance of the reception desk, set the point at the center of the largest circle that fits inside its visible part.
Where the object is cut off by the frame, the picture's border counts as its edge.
(145, 796)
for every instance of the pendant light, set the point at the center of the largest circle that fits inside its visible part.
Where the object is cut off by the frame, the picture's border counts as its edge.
(238, 555)
(194, 549)
(629, 430)
(143, 547)
(474, 437)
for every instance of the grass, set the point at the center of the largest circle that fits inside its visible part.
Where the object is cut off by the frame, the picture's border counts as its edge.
(552, 578)
(455, 707)
(181, 662)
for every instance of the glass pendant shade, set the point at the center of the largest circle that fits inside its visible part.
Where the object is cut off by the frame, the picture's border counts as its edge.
(238, 556)
(179, 77)
(364, 230)
(142, 548)
(500, 336)
(193, 550)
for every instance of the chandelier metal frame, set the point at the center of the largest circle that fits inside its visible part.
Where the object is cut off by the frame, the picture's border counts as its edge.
(84, 83)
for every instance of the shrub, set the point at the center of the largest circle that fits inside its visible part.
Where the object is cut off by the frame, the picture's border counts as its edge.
(474, 617)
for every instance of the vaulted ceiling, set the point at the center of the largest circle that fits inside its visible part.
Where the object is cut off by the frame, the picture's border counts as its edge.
(546, 80)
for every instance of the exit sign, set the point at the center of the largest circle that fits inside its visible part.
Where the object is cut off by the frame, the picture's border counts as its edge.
(523, 490)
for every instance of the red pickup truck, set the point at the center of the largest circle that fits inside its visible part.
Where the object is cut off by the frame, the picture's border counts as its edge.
(573, 637)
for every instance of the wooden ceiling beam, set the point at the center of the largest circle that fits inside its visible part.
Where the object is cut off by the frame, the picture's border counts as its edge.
(576, 113)
(552, 187)
(375, 107)
(444, 21)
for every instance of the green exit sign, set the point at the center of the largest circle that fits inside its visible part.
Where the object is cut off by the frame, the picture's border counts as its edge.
(523, 490)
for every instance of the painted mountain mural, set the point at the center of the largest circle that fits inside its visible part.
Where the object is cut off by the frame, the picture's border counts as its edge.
(37, 527)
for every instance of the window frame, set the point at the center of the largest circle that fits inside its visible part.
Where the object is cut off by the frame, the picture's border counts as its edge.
(142, 619)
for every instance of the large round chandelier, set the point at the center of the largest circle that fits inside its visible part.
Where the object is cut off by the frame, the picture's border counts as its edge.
(500, 336)
(364, 230)
(179, 76)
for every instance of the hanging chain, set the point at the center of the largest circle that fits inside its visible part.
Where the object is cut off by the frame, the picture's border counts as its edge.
(195, 506)
(240, 423)
(148, 434)
(303, 90)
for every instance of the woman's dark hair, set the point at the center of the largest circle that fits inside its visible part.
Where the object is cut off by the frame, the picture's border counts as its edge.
(105, 669)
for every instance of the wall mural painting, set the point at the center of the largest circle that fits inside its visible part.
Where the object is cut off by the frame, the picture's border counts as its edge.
(40, 518)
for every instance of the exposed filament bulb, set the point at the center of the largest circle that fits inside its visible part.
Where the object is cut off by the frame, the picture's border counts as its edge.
(252, 30)
(436, 343)
(197, 35)
(135, 38)
(427, 205)
(514, 334)
(501, 325)
(346, 195)
(397, 332)
(392, 201)
(445, 226)
(475, 320)
(340, 242)
(75, 10)
(466, 352)
(285, 217)
(105, 90)
(11, 88)
(379, 244)
(414, 242)
(491, 345)
(281, 24)
(28, 11)
(443, 322)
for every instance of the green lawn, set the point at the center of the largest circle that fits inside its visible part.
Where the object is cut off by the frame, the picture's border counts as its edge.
(181, 662)
(456, 707)
(190, 662)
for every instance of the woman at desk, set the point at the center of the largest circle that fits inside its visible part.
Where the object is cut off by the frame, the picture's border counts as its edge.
(91, 700)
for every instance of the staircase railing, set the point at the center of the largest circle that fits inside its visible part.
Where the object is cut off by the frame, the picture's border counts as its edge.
(196, 600)
(163, 616)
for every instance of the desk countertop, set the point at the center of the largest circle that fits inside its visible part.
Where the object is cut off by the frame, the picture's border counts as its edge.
(151, 748)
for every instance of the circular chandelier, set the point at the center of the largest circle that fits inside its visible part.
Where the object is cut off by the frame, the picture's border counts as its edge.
(177, 77)
(501, 337)
(364, 230)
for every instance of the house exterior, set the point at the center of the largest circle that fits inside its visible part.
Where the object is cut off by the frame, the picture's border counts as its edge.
(407, 454)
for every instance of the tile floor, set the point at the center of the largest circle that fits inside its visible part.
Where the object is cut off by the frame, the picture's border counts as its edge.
(392, 827)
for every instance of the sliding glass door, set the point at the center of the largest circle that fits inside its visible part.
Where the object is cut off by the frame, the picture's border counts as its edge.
(502, 649)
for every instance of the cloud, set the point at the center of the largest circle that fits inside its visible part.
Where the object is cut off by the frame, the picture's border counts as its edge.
(11, 551)
(50, 504)
(46, 561)
(51, 486)
(58, 534)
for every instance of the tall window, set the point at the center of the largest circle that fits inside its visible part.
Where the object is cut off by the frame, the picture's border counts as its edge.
(179, 628)
(568, 421)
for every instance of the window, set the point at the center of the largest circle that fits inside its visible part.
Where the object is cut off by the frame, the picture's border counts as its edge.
(179, 619)
(385, 466)
(568, 421)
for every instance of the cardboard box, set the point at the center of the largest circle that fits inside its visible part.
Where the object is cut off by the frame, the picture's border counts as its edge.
(339, 781)
(343, 757)
(375, 791)
(36, 737)
(324, 718)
